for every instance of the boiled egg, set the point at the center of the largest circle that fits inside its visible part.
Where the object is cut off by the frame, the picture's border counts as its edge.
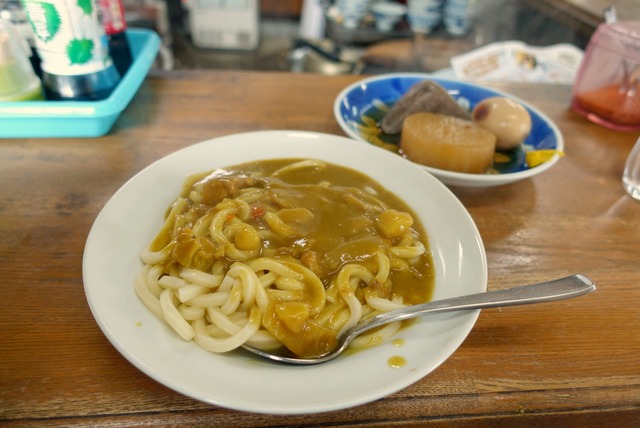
(507, 119)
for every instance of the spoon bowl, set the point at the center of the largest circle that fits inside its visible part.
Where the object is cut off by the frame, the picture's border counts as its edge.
(548, 291)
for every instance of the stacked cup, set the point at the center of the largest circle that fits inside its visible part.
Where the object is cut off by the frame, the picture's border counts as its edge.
(353, 11)
(457, 16)
(424, 15)
(387, 14)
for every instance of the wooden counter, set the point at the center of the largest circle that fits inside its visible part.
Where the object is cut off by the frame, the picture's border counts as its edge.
(571, 364)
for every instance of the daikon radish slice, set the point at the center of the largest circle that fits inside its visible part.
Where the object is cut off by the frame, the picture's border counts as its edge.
(447, 142)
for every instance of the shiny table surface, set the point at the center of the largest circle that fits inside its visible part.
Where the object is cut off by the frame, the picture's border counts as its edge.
(572, 364)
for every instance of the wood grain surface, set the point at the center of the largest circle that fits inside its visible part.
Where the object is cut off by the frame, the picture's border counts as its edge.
(571, 364)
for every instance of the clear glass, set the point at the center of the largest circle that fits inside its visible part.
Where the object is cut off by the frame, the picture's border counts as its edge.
(631, 174)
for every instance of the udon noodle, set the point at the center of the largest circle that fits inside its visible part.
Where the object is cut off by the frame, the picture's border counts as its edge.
(283, 252)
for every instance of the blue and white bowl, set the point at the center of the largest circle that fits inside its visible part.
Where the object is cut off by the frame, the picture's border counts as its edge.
(360, 105)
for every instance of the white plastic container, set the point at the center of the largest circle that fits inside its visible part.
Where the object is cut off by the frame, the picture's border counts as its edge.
(224, 24)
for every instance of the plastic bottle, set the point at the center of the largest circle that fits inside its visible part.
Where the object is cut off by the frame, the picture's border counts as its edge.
(115, 26)
(18, 82)
(12, 11)
(73, 49)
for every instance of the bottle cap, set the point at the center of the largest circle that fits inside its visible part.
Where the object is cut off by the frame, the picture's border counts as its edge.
(18, 82)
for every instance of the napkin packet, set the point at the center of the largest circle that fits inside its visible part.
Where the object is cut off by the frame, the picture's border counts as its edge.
(515, 61)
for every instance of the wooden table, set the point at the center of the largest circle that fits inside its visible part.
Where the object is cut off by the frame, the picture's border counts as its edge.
(572, 364)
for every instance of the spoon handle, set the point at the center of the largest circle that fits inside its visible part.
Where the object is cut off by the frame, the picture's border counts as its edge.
(557, 289)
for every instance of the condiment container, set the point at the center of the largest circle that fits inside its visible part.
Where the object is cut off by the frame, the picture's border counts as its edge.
(74, 119)
(73, 48)
(12, 11)
(607, 86)
(18, 82)
(115, 25)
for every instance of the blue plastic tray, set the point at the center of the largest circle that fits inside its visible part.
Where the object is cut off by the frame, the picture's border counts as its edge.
(49, 119)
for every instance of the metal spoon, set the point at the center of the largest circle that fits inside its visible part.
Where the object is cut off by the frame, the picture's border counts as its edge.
(557, 289)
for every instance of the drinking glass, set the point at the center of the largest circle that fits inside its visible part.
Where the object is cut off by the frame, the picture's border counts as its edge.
(631, 174)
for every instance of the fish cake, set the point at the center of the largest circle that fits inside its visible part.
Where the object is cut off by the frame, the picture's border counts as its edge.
(426, 96)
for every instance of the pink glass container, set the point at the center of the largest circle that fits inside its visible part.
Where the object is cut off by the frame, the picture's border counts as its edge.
(607, 87)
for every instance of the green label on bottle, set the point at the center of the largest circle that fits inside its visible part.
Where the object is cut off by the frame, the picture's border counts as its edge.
(47, 21)
(86, 6)
(79, 51)
(68, 35)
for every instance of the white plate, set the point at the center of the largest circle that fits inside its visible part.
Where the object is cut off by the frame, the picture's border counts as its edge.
(359, 97)
(240, 381)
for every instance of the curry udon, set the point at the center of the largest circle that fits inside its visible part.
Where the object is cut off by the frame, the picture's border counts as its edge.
(283, 252)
